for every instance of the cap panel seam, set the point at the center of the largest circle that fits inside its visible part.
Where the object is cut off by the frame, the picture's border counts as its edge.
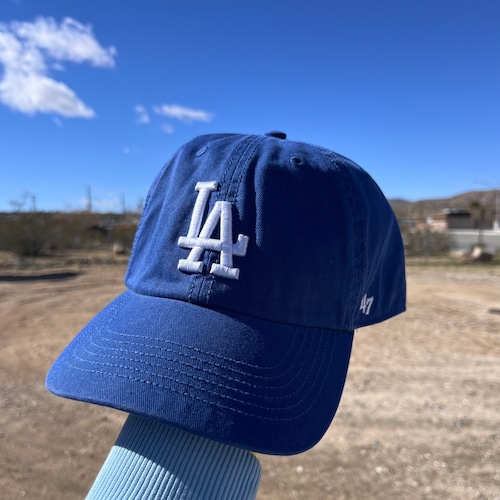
(255, 141)
(198, 280)
(359, 239)
(359, 253)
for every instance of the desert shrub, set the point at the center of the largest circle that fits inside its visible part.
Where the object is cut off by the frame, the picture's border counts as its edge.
(123, 235)
(43, 233)
(25, 233)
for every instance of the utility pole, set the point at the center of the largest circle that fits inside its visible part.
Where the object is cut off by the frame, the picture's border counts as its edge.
(89, 200)
(496, 212)
(496, 222)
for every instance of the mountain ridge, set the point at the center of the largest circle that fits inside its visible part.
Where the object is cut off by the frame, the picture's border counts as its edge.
(462, 201)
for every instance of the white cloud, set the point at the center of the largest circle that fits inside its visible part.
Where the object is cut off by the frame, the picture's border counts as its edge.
(168, 129)
(27, 50)
(183, 114)
(105, 205)
(31, 93)
(70, 41)
(142, 114)
(111, 202)
(129, 149)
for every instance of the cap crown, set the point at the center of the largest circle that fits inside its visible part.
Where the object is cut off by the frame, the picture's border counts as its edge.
(274, 229)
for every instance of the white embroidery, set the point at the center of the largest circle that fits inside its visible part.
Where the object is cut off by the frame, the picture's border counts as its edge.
(199, 238)
(366, 304)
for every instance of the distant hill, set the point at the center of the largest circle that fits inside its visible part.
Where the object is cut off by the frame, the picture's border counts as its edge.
(415, 208)
(433, 206)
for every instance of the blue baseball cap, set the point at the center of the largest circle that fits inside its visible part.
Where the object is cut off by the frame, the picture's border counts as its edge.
(255, 259)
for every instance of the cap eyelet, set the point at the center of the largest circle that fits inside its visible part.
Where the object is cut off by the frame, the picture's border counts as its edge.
(201, 151)
(296, 161)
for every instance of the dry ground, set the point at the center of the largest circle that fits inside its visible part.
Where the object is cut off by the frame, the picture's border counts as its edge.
(419, 417)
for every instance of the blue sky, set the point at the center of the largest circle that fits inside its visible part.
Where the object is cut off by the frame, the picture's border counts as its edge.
(101, 94)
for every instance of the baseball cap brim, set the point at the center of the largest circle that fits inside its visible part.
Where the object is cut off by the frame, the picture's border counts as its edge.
(262, 386)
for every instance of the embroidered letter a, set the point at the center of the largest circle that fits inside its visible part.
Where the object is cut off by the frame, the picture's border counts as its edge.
(199, 238)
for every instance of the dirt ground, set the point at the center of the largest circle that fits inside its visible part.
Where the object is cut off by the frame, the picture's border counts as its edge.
(420, 415)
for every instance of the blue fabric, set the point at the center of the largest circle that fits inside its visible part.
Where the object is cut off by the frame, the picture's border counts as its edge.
(257, 362)
(151, 460)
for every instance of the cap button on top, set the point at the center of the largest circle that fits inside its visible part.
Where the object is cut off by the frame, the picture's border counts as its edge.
(277, 134)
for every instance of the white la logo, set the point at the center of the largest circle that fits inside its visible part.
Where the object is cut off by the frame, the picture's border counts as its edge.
(199, 238)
